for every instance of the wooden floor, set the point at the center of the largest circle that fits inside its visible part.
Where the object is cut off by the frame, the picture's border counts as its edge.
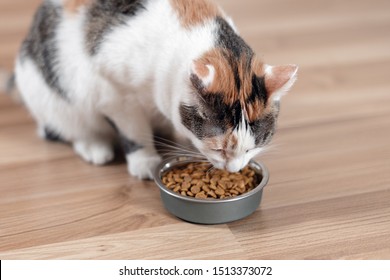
(329, 192)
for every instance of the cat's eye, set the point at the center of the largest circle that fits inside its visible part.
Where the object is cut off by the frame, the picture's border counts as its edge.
(202, 115)
(217, 150)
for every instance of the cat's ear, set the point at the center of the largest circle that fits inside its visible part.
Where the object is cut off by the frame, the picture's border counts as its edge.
(279, 79)
(202, 75)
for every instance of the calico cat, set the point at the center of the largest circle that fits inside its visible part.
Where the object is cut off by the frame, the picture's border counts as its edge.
(89, 70)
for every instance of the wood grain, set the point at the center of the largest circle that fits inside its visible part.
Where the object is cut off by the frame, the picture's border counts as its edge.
(329, 191)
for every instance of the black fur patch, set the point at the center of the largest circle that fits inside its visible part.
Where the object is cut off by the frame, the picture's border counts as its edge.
(228, 39)
(236, 113)
(52, 135)
(104, 15)
(201, 126)
(40, 45)
(111, 123)
(237, 79)
(197, 83)
(235, 49)
(129, 146)
(213, 118)
(259, 91)
(264, 129)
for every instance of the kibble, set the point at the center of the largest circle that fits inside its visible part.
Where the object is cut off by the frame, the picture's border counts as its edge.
(200, 180)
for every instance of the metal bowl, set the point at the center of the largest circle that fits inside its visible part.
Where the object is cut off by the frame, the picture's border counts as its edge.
(209, 211)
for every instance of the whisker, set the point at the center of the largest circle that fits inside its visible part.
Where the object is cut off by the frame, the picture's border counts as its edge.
(179, 151)
(180, 148)
(168, 147)
(170, 141)
(184, 155)
(171, 148)
(211, 169)
(160, 141)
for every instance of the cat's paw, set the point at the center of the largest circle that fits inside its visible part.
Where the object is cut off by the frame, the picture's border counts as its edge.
(97, 153)
(142, 164)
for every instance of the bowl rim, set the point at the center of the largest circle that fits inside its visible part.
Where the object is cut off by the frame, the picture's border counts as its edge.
(170, 162)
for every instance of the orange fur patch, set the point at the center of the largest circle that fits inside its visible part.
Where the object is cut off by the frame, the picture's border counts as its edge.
(194, 12)
(254, 111)
(73, 5)
(227, 142)
(233, 142)
(213, 142)
(230, 143)
(224, 79)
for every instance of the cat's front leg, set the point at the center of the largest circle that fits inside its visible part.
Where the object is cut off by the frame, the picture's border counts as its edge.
(134, 127)
(143, 162)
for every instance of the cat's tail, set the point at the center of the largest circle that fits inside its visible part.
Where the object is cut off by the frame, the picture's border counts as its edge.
(8, 85)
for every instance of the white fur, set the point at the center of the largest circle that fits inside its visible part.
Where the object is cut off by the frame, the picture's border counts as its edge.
(138, 78)
(268, 70)
(210, 78)
(245, 150)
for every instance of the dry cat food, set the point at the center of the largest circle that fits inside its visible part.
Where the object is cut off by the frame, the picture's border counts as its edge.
(199, 180)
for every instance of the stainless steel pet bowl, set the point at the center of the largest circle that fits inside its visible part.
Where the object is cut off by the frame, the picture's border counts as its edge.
(209, 211)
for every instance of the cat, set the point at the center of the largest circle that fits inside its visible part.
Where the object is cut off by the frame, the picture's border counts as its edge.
(90, 70)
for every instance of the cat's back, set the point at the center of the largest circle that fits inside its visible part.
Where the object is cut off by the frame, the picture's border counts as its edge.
(70, 39)
(91, 23)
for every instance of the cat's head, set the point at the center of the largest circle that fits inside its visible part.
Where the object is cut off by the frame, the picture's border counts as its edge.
(233, 106)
